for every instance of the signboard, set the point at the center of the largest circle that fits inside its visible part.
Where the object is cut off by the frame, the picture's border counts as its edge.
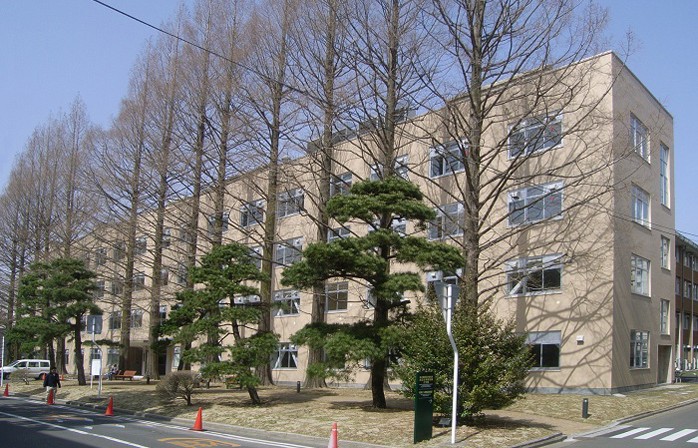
(423, 406)
(96, 367)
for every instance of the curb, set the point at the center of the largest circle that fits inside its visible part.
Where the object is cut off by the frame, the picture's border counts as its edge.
(543, 441)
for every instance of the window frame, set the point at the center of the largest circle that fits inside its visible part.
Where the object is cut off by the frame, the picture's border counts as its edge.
(286, 357)
(534, 129)
(643, 266)
(449, 218)
(524, 195)
(290, 300)
(640, 203)
(338, 233)
(289, 203)
(141, 245)
(340, 183)
(333, 296)
(542, 339)
(639, 349)
(448, 157)
(665, 252)
(519, 270)
(664, 180)
(639, 138)
(288, 251)
(664, 313)
(251, 213)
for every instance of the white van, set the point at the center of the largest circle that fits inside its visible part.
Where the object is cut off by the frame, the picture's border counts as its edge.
(36, 367)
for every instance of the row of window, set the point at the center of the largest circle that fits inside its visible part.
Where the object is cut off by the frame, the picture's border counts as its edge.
(114, 319)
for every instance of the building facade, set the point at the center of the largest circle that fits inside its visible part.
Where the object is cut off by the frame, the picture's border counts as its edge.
(575, 247)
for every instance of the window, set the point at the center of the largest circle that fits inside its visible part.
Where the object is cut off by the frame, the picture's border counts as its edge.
(545, 348)
(664, 316)
(100, 256)
(138, 281)
(448, 222)
(400, 166)
(664, 175)
(182, 273)
(99, 289)
(163, 313)
(286, 357)
(256, 255)
(166, 237)
(117, 287)
(639, 349)
(535, 203)
(695, 291)
(337, 233)
(340, 184)
(687, 287)
(141, 245)
(115, 320)
(136, 318)
(337, 296)
(640, 210)
(164, 276)
(288, 252)
(289, 203)
(185, 235)
(535, 134)
(445, 160)
(533, 275)
(686, 321)
(251, 213)
(677, 286)
(119, 251)
(112, 356)
(664, 255)
(287, 302)
(639, 138)
(640, 275)
(211, 222)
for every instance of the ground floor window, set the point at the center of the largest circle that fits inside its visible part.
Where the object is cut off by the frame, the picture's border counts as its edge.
(112, 356)
(545, 349)
(639, 349)
(286, 357)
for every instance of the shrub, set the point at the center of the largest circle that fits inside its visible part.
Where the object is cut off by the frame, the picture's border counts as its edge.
(180, 384)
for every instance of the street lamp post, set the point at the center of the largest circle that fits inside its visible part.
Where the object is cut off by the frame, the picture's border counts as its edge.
(448, 294)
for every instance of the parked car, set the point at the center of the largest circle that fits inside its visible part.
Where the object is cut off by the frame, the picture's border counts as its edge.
(34, 367)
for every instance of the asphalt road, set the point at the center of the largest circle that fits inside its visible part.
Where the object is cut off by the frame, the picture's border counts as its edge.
(32, 424)
(672, 429)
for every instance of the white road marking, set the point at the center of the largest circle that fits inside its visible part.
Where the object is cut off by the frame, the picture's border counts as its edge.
(678, 435)
(629, 433)
(113, 439)
(656, 432)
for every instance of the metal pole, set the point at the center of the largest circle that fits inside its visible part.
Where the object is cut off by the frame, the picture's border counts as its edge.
(2, 358)
(449, 315)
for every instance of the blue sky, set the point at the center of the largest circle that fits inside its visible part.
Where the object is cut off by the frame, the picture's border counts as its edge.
(53, 50)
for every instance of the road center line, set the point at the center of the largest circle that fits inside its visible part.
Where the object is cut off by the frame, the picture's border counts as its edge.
(113, 439)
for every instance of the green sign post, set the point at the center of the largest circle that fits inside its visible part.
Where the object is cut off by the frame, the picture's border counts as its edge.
(423, 406)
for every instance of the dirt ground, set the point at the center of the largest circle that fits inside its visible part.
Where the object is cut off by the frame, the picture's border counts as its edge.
(312, 411)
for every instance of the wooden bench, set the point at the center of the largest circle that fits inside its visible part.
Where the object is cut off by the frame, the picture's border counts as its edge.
(126, 374)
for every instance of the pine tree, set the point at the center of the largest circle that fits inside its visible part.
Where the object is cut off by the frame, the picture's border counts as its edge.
(368, 259)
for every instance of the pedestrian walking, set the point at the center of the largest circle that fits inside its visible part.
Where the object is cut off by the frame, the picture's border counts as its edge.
(52, 381)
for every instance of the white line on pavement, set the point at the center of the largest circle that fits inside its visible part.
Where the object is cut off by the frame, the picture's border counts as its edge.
(629, 433)
(113, 439)
(678, 435)
(656, 432)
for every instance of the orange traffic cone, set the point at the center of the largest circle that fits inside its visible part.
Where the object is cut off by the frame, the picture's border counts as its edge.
(333, 437)
(7, 391)
(110, 407)
(50, 397)
(198, 425)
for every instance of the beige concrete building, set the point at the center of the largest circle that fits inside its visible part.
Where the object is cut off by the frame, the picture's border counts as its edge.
(577, 228)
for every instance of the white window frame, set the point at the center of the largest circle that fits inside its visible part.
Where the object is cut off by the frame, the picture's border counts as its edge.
(640, 206)
(100, 288)
(340, 183)
(664, 316)
(288, 251)
(640, 275)
(138, 281)
(137, 318)
(687, 289)
(100, 256)
(639, 349)
(664, 256)
(336, 290)
(664, 184)
(289, 203)
(338, 233)
(289, 301)
(256, 255)
(445, 160)
(141, 246)
(449, 222)
(286, 357)
(166, 237)
(400, 166)
(537, 134)
(251, 213)
(536, 198)
(519, 272)
(117, 287)
(639, 137)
